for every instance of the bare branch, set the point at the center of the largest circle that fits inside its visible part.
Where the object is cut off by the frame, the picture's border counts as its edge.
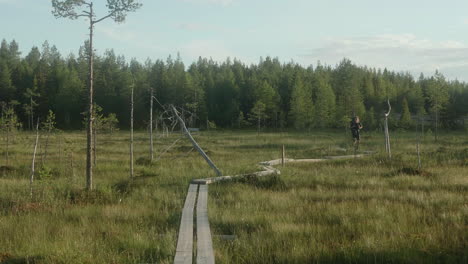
(119, 8)
(67, 8)
(389, 108)
(101, 19)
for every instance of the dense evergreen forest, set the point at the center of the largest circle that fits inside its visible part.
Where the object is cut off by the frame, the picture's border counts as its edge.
(230, 94)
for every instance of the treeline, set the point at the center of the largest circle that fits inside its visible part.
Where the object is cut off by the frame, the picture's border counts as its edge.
(230, 94)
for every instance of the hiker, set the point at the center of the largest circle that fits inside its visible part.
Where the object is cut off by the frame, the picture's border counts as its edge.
(355, 127)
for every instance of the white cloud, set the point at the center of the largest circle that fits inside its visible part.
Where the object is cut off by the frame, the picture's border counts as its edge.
(404, 52)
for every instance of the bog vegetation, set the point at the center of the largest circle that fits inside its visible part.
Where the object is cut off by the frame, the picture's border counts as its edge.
(346, 211)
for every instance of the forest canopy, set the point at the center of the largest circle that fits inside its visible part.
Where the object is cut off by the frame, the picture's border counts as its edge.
(229, 94)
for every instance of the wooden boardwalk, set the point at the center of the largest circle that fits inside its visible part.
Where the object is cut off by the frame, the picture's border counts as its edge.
(185, 242)
(184, 251)
(205, 253)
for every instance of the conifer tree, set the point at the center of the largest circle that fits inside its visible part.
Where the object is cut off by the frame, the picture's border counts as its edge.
(324, 103)
(301, 104)
(437, 95)
(258, 114)
(405, 118)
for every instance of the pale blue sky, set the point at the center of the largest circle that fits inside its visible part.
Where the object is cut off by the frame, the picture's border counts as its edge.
(402, 35)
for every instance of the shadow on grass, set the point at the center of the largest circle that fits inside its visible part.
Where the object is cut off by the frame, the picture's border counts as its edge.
(83, 197)
(127, 186)
(6, 258)
(409, 171)
(402, 256)
(272, 183)
(6, 169)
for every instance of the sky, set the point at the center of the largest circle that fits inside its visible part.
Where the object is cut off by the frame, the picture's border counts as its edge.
(401, 35)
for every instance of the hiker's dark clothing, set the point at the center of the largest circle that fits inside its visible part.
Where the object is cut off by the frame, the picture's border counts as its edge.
(355, 130)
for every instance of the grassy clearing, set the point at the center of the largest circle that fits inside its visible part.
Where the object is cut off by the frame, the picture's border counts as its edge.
(121, 221)
(363, 210)
(368, 210)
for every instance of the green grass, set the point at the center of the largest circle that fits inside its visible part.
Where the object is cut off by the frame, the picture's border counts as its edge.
(368, 210)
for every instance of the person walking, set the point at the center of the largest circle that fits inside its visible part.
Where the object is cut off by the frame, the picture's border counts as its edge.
(355, 126)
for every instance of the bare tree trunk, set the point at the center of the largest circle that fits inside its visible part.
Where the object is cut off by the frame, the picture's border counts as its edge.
(387, 139)
(183, 119)
(31, 179)
(387, 134)
(131, 136)
(151, 125)
(195, 144)
(94, 145)
(89, 164)
(436, 124)
(283, 156)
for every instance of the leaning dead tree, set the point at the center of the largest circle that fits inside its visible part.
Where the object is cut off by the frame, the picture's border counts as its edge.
(74, 9)
(194, 143)
(387, 135)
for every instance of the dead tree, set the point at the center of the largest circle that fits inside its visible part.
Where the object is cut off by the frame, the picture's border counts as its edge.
(151, 125)
(75, 9)
(48, 126)
(31, 179)
(194, 143)
(131, 135)
(387, 135)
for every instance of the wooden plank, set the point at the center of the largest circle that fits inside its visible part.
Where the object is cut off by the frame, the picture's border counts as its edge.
(185, 241)
(205, 253)
(267, 170)
(344, 157)
(307, 160)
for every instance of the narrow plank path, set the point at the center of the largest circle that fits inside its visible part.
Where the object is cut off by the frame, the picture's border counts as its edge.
(205, 253)
(184, 251)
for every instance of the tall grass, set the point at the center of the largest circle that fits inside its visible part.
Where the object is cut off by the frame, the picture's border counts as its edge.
(358, 210)
(370, 210)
